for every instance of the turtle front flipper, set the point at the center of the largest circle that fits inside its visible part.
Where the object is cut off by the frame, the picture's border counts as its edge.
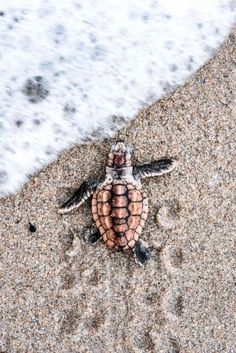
(141, 254)
(155, 168)
(80, 195)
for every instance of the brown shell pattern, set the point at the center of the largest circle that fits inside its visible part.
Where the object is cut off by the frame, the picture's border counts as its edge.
(119, 210)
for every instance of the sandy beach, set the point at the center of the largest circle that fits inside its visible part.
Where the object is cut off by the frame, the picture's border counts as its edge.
(61, 294)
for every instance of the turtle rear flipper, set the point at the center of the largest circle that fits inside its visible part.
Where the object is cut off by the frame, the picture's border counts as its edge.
(80, 195)
(155, 168)
(92, 235)
(141, 254)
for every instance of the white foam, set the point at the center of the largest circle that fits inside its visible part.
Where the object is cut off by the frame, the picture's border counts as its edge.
(98, 59)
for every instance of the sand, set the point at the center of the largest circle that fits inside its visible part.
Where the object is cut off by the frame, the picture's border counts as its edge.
(61, 294)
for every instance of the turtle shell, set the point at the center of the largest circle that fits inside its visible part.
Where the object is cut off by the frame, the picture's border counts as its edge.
(119, 210)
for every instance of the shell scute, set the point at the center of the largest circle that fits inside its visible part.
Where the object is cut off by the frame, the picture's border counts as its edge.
(110, 244)
(144, 216)
(121, 242)
(94, 209)
(118, 220)
(103, 196)
(104, 237)
(103, 209)
(136, 236)
(111, 234)
(139, 229)
(133, 222)
(132, 243)
(141, 222)
(101, 230)
(107, 187)
(119, 189)
(106, 222)
(95, 217)
(94, 201)
(135, 195)
(130, 234)
(135, 208)
(119, 201)
(130, 186)
(120, 212)
(119, 182)
(120, 227)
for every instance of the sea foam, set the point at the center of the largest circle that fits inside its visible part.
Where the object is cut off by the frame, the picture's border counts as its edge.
(73, 70)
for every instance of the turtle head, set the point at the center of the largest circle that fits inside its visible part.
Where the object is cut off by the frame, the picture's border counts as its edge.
(120, 156)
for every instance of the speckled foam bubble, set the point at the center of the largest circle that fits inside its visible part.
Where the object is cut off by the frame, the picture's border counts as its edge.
(73, 70)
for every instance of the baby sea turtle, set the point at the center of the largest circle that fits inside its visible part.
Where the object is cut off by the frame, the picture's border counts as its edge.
(119, 206)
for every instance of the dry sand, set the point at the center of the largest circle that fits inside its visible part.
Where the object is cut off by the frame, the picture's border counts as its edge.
(60, 294)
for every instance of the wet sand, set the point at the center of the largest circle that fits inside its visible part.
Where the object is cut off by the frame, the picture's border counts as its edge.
(61, 294)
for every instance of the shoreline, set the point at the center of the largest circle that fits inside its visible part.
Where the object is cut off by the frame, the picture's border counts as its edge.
(59, 293)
